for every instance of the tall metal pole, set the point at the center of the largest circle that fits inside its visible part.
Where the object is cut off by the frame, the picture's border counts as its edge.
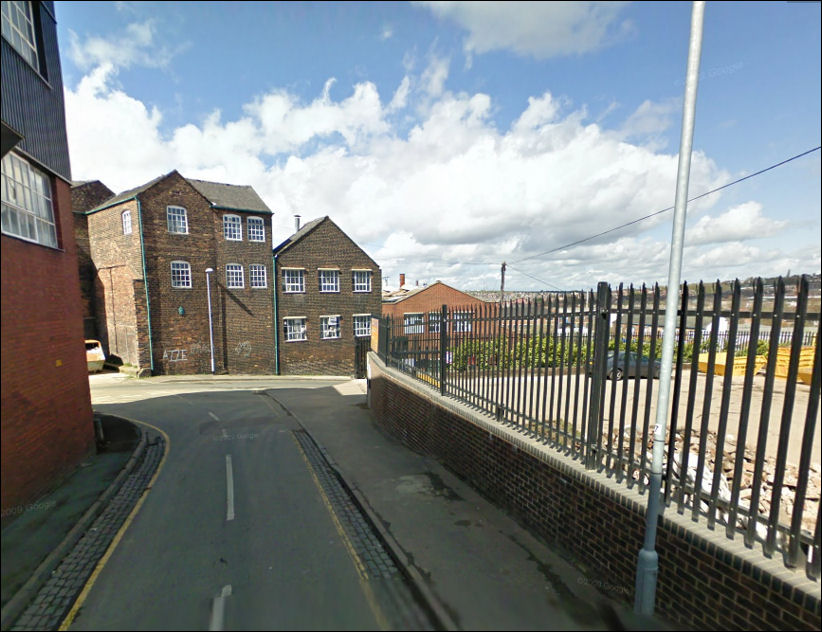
(502, 283)
(210, 326)
(648, 562)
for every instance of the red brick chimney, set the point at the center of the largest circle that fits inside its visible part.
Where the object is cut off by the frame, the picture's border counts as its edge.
(402, 279)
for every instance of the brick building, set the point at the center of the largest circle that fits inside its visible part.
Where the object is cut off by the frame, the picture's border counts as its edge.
(419, 308)
(328, 288)
(152, 248)
(84, 197)
(46, 420)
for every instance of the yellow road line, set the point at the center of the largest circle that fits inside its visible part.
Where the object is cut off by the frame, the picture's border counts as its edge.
(358, 563)
(123, 528)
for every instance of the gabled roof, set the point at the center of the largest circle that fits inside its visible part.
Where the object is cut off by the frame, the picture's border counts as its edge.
(224, 196)
(237, 197)
(400, 295)
(300, 234)
(311, 227)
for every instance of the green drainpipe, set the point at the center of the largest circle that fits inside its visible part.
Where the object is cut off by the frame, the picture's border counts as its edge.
(276, 322)
(145, 283)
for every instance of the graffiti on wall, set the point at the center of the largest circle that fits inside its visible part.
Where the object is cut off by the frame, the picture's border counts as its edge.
(175, 355)
(243, 349)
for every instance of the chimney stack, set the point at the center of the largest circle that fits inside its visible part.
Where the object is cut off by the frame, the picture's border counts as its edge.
(296, 223)
(402, 279)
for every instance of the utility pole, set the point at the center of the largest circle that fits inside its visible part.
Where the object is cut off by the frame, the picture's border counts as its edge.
(502, 284)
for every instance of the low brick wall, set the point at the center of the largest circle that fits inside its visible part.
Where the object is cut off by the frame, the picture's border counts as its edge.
(706, 581)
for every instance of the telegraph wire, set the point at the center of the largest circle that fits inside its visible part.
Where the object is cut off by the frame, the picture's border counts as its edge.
(670, 208)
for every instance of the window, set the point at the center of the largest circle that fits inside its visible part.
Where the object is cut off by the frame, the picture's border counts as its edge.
(462, 322)
(256, 229)
(329, 280)
(177, 219)
(434, 322)
(180, 274)
(293, 280)
(234, 275)
(18, 29)
(413, 323)
(294, 329)
(330, 327)
(362, 325)
(126, 222)
(232, 228)
(257, 276)
(27, 211)
(362, 280)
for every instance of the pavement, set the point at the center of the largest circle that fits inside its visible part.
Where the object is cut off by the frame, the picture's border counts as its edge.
(471, 564)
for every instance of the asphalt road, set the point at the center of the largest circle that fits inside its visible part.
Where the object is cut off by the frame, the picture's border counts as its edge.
(239, 531)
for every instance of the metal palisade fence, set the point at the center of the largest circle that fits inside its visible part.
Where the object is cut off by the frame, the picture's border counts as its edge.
(576, 370)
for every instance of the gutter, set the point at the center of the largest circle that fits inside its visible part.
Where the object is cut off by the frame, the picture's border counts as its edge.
(276, 320)
(145, 281)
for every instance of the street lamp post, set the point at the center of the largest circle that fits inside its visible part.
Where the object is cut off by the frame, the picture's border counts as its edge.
(210, 326)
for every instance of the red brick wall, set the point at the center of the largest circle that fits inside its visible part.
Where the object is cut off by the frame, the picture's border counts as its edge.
(47, 424)
(118, 268)
(431, 299)
(705, 580)
(325, 247)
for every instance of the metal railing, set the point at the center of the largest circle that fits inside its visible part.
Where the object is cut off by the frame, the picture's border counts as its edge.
(743, 440)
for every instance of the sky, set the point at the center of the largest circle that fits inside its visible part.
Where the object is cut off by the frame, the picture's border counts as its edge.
(448, 137)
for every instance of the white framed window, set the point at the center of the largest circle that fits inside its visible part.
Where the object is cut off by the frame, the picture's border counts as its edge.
(330, 327)
(180, 274)
(126, 222)
(232, 228)
(294, 329)
(27, 210)
(362, 280)
(256, 229)
(434, 322)
(293, 280)
(329, 280)
(257, 275)
(362, 325)
(18, 29)
(412, 323)
(234, 275)
(177, 220)
(462, 322)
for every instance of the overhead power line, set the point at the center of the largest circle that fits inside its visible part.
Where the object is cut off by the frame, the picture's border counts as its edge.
(670, 208)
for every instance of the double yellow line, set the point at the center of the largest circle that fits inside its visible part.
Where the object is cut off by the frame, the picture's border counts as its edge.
(120, 533)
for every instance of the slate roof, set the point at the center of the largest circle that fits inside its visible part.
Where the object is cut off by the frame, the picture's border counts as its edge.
(299, 234)
(238, 197)
(225, 196)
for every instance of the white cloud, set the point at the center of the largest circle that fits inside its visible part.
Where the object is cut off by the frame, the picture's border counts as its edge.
(739, 223)
(136, 45)
(536, 29)
(448, 192)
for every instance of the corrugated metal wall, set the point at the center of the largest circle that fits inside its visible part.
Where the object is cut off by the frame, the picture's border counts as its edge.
(32, 102)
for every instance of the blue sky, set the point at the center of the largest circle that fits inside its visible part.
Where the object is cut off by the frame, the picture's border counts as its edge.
(446, 138)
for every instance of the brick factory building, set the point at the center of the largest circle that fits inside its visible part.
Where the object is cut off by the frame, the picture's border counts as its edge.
(172, 253)
(328, 289)
(47, 425)
(419, 308)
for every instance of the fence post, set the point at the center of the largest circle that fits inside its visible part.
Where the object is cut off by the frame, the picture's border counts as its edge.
(603, 323)
(443, 346)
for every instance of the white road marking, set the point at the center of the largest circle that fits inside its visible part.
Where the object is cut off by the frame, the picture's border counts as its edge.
(218, 608)
(229, 475)
(213, 416)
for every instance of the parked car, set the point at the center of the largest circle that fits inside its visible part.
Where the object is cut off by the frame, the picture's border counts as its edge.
(617, 369)
(95, 358)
